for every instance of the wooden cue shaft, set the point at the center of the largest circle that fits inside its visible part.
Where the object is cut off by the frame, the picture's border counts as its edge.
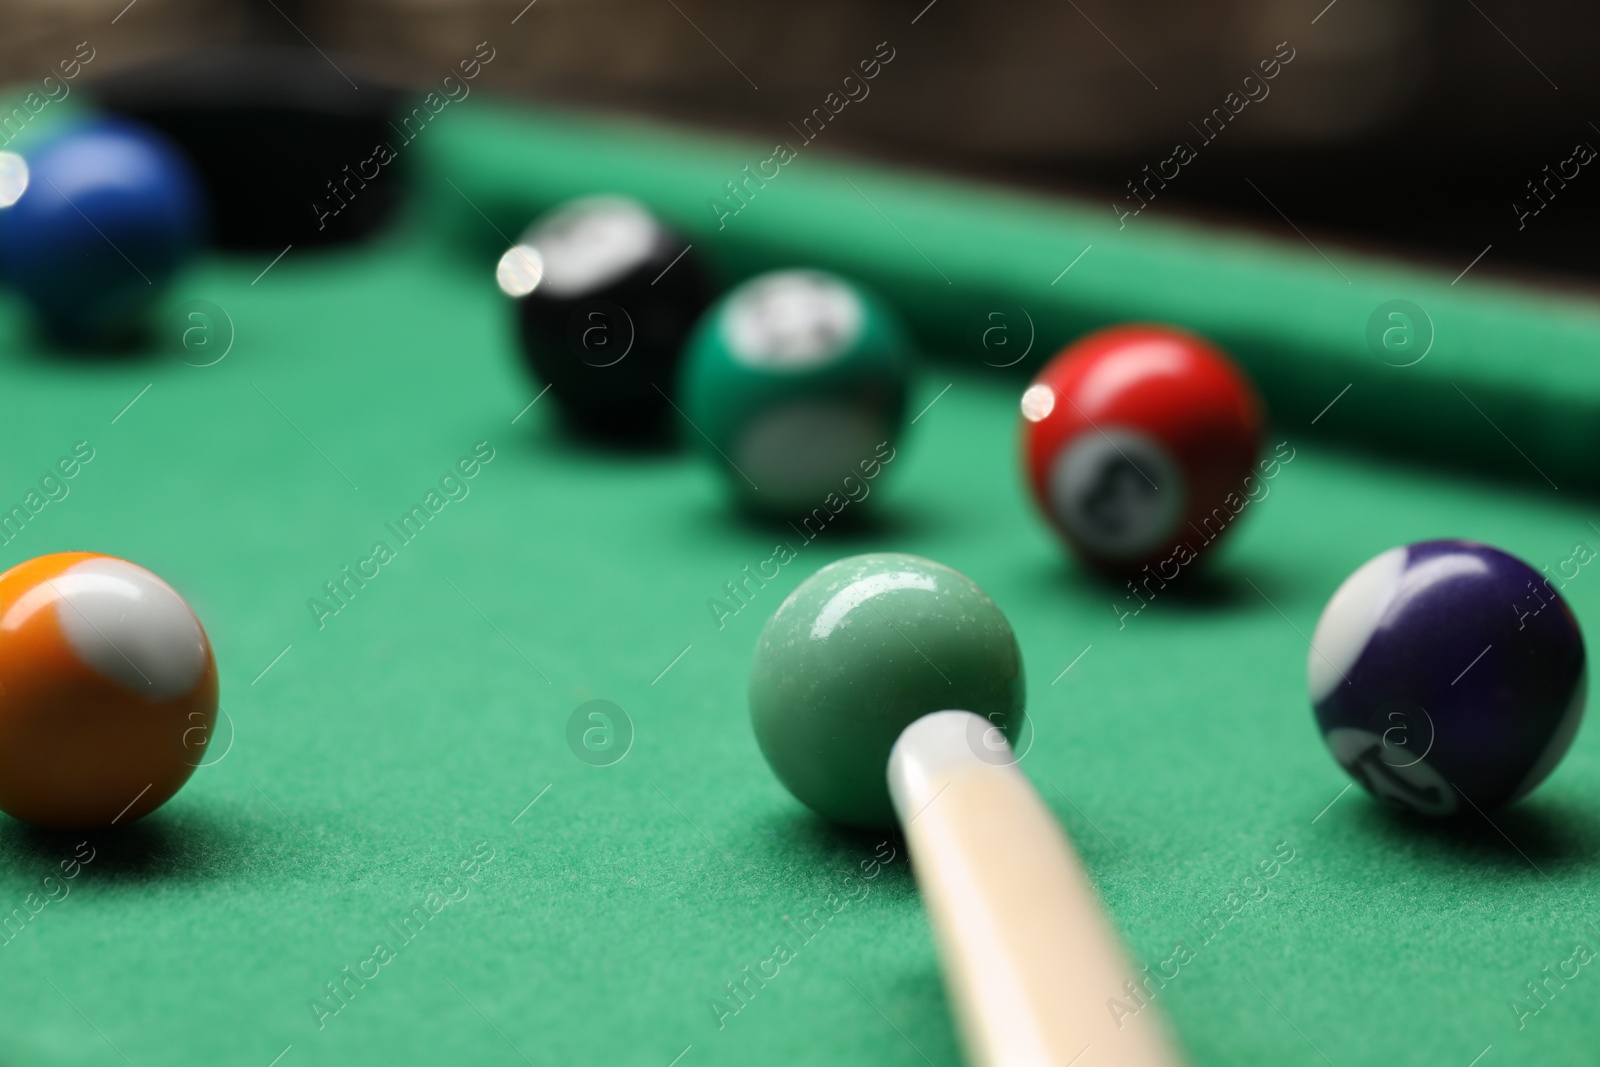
(1030, 959)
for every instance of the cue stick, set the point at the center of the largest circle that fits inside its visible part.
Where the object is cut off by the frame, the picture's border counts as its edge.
(1029, 957)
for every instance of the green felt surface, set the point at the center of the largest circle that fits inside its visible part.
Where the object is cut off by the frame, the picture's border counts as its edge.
(411, 732)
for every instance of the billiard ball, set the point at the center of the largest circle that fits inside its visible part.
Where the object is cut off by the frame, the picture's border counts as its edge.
(1139, 441)
(108, 691)
(857, 652)
(1447, 677)
(797, 380)
(605, 295)
(888, 691)
(110, 213)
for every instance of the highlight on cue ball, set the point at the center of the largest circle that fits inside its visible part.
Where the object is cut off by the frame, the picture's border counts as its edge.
(108, 691)
(1447, 677)
(860, 650)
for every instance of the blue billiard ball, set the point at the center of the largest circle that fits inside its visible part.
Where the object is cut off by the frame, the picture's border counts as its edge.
(1447, 677)
(109, 213)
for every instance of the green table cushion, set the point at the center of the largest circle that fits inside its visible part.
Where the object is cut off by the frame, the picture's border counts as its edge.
(1511, 382)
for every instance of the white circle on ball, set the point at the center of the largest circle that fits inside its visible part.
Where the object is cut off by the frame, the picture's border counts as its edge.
(1412, 785)
(592, 243)
(792, 320)
(1117, 492)
(13, 178)
(799, 453)
(1349, 621)
(130, 627)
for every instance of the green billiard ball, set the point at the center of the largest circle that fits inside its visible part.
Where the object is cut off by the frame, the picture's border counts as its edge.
(796, 380)
(858, 652)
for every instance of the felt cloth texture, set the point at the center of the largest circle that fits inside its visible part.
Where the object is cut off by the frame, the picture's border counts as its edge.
(380, 789)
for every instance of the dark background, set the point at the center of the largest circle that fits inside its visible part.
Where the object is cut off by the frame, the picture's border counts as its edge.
(1409, 126)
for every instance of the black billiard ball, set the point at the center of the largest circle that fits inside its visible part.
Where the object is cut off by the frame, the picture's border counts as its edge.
(605, 296)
